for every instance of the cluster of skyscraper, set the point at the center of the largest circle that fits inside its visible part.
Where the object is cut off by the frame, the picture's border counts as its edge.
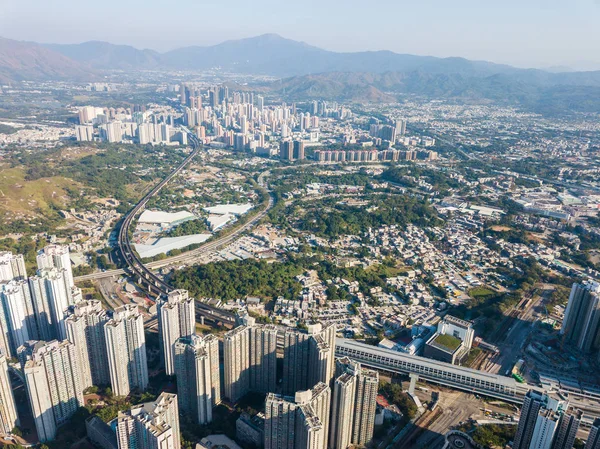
(35, 307)
(546, 421)
(65, 344)
(303, 412)
(118, 125)
(99, 350)
(242, 121)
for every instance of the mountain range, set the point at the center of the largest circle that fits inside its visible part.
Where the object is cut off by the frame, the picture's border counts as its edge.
(305, 71)
(268, 54)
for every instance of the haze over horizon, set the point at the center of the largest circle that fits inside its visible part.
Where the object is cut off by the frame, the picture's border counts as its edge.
(541, 34)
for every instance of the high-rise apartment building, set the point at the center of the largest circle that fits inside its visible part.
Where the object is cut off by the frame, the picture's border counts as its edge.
(5, 345)
(12, 267)
(532, 404)
(53, 383)
(57, 256)
(263, 358)
(44, 314)
(198, 377)
(84, 133)
(354, 405)
(286, 150)
(9, 418)
(568, 425)
(176, 319)
(153, 425)
(85, 329)
(57, 297)
(114, 132)
(250, 358)
(17, 317)
(593, 441)
(17, 308)
(541, 415)
(299, 150)
(308, 357)
(126, 350)
(298, 422)
(236, 357)
(581, 324)
(544, 430)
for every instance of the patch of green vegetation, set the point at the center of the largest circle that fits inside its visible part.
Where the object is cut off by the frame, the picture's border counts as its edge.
(473, 354)
(448, 341)
(481, 293)
(330, 218)
(6, 129)
(409, 175)
(488, 310)
(190, 227)
(290, 179)
(237, 279)
(493, 435)
(559, 296)
(35, 200)
(394, 394)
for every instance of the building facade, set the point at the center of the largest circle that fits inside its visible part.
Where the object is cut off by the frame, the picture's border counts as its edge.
(354, 405)
(298, 422)
(176, 318)
(581, 324)
(9, 418)
(85, 329)
(53, 383)
(198, 377)
(126, 350)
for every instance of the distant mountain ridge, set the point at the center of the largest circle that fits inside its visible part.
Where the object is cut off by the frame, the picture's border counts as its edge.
(545, 94)
(305, 71)
(102, 55)
(29, 61)
(268, 54)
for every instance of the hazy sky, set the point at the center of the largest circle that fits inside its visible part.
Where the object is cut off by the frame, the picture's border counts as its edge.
(530, 33)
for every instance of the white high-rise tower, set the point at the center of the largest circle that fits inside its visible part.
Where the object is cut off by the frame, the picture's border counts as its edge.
(126, 349)
(8, 411)
(176, 318)
(53, 384)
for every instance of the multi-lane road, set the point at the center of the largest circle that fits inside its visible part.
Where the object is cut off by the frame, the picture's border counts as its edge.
(189, 256)
(144, 274)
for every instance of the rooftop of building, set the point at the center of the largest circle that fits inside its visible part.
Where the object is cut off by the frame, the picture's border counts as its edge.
(346, 344)
(458, 322)
(102, 428)
(459, 440)
(217, 441)
(447, 343)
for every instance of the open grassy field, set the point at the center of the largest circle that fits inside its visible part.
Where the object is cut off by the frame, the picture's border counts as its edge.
(22, 199)
(481, 292)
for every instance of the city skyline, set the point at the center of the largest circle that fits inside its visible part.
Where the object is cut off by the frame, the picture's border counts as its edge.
(537, 35)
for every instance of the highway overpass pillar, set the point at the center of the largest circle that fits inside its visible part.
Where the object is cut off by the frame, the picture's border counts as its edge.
(413, 383)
